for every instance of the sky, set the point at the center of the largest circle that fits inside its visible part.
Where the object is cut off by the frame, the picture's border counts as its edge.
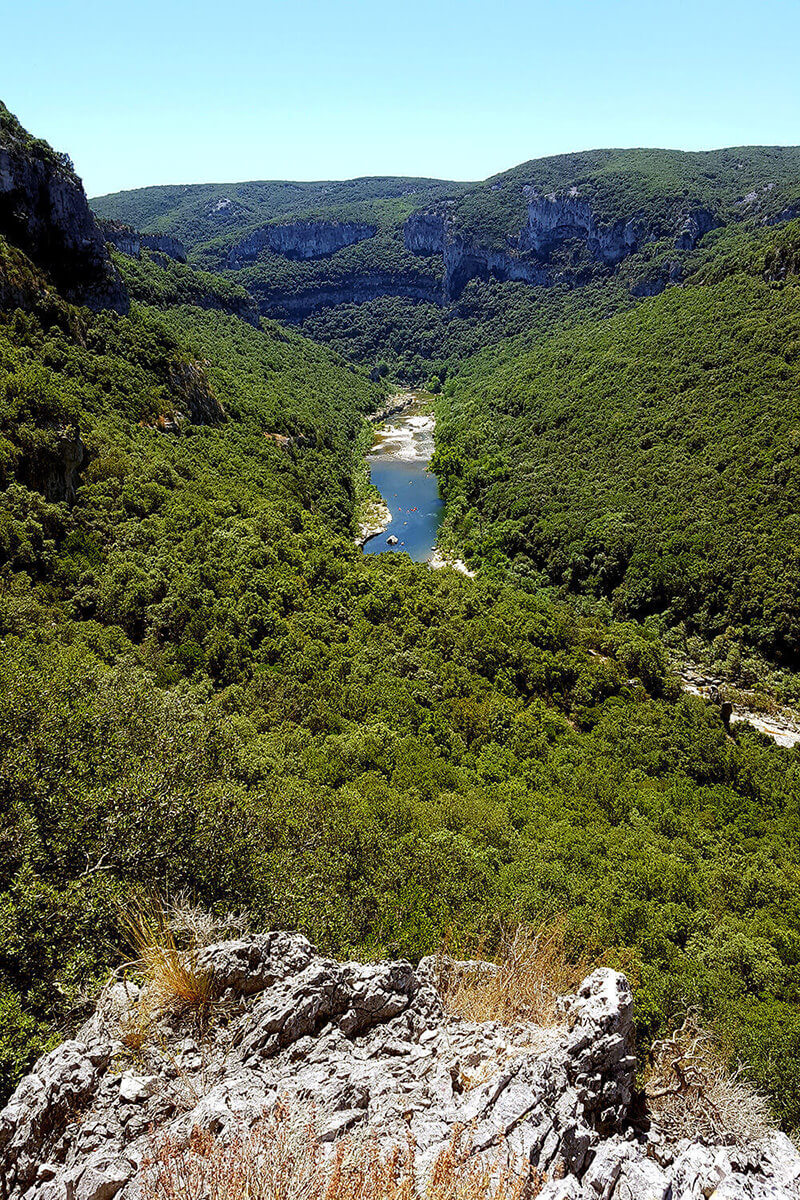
(190, 91)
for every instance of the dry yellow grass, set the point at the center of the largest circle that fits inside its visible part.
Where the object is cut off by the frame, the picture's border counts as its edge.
(135, 1029)
(691, 1092)
(173, 979)
(281, 1159)
(533, 970)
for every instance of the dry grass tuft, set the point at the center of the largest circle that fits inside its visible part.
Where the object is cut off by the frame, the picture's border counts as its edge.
(533, 970)
(174, 981)
(691, 1093)
(195, 927)
(135, 1029)
(281, 1159)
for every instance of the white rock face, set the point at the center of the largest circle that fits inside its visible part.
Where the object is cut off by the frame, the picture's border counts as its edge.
(371, 1046)
(300, 240)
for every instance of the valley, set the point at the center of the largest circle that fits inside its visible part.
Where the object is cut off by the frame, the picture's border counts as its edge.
(208, 689)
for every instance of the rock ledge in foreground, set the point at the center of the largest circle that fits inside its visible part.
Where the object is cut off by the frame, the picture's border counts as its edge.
(371, 1046)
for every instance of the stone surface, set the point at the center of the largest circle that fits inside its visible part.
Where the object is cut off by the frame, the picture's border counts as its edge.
(300, 240)
(552, 221)
(193, 394)
(371, 1047)
(355, 288)
(130, 241)
(44, 212)
(426, 232)
(54, 464)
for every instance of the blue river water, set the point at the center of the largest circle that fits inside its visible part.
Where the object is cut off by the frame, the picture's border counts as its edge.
(398, 466)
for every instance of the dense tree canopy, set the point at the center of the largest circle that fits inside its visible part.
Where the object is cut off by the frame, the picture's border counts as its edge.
(650, 459)
(204, 686)
(359, 747)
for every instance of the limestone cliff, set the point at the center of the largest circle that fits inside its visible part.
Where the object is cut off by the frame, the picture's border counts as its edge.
(53, 467)
(553, 222)
(193, 394)
(44, 213)
(426, 232)
(130, 241)
(354, 289)
(300, 240)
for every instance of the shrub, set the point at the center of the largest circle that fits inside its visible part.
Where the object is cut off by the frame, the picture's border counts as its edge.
(692, 1093)
(174, 980)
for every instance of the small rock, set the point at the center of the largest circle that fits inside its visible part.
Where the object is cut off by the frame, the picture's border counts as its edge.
(135, 1089)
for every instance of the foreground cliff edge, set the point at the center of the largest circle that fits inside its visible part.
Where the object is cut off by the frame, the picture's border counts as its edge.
(372, 1049)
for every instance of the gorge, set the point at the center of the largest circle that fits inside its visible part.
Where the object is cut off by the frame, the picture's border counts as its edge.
(219, 716)
(399, 465)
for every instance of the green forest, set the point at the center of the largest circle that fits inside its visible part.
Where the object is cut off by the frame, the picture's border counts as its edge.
(207, 688)
(650, 459)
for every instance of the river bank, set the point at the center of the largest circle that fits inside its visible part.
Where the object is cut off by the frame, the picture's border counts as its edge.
(403, 512)
(399, 465)
(398, 402)
(404, 502)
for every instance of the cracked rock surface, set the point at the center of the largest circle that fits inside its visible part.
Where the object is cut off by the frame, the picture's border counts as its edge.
(371, 1047)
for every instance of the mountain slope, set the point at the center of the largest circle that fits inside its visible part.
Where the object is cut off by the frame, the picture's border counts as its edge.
(652, 186)
(197, 213)
(303, 248)
(43, 212)
(649, 458)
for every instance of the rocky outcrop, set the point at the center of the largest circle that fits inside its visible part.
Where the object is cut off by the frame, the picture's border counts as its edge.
(463, 261)
(434, 233)
(426, 232)
(371, 1048)
(696, 225)
(242, 306)
(193, 394)
(130, 241)
(54, 467)
(354, 289)
(300, 240)
(44, 213)
(791, 213)
(553, 221)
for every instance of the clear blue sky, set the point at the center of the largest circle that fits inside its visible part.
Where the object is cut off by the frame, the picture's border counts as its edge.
(178, 91)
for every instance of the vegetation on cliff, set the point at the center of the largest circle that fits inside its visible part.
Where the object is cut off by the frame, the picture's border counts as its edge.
(657, 186)
(358, 747)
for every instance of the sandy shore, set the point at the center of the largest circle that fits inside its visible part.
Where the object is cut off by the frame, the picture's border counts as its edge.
(439, 559)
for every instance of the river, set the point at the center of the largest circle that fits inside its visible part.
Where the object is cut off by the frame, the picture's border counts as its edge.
(399, 469)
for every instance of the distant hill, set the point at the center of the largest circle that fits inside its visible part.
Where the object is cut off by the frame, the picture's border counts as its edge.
(199, 212)
(651, 185)
(303, 247)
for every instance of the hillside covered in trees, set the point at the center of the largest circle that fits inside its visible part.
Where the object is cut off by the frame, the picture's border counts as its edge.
(650, 459)
(207, 688)
(304, 250)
